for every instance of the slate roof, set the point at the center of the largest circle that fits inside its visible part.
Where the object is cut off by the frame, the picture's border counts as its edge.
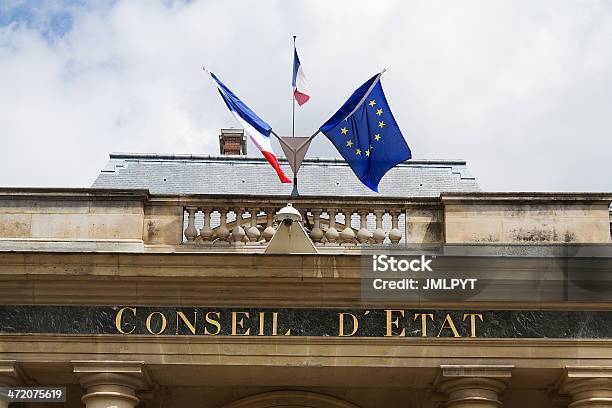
(203, 174)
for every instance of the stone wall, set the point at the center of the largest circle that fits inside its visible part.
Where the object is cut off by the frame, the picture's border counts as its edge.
(71, 215)
(526, 218)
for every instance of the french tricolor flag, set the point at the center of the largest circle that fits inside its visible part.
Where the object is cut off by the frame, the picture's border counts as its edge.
(258, 130)
(300, 86)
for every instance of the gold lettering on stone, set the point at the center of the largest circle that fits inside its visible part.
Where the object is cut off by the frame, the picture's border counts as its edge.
(239, 323)
(473, 317)
(164, 323)
(119, 319)
(451, 326)
(187, 322)
(424, 317)
(190, 326)
(211, 320)
(341, 317)
(391, 322)
(262, 317)
(275, 325)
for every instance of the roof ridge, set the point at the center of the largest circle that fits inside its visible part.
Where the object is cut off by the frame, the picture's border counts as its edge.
(221, 158)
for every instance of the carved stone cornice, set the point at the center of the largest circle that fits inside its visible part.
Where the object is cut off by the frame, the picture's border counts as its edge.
(476, 370)
(587, 385)
(10, 373)
(112, 380)
(473, 384)
(558, 400)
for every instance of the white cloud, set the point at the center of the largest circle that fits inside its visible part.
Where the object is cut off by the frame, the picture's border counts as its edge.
(520, 89)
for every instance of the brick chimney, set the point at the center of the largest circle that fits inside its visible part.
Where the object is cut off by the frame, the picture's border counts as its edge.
(232, 142)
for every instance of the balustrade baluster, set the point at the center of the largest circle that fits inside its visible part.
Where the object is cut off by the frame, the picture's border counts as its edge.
(332, 234)
(191, 231)
(317, 233)
(253, 233)
(223, 232)
(363, 235)
(206, 232)
(268, 233)
(379, 233)
(347, 235)
(238, 232)
(395, 235)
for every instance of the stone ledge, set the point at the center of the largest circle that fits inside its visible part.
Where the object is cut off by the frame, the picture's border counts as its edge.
(539, 197)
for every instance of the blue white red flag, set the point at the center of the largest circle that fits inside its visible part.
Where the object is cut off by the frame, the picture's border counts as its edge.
(258, 130)
(300, 86)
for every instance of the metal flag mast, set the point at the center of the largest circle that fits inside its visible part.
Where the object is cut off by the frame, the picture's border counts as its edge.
(294, 192)
(294, 147)
(293, 96)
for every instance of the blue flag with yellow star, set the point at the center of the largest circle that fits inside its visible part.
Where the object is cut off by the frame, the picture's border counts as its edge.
(366, 134)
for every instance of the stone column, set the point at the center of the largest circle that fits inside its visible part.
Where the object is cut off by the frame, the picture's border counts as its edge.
(557, 400)
(10, 376)
(111, 384)
(473, 386)
(588, 386)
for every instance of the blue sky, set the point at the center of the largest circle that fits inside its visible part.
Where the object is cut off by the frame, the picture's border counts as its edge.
(520, 89)
(52, 19)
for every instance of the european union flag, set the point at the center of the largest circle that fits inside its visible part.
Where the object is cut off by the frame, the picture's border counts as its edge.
(366, 134)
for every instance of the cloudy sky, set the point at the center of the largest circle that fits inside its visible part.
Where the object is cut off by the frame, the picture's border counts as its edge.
(520, 89)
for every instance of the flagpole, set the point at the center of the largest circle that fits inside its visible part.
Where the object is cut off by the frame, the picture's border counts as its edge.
(294, 192)
(293, 98)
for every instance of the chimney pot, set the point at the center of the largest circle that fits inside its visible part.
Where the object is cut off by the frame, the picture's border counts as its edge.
(232, 142)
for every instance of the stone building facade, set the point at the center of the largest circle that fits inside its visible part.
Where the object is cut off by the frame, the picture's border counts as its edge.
(153, 288)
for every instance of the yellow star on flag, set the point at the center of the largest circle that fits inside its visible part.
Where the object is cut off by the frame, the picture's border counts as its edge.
(372, 102)
(381, 123)
(358, 151)
(379, 112)
(344, 131)
(368, 152)
(377, 137)
(349, 143)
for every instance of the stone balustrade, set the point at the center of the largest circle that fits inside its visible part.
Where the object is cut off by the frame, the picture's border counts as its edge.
(328, 222)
